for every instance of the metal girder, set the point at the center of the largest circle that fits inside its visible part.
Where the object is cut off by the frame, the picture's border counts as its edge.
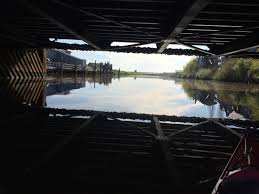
(229, 130)
(189, 15)
(241, 44)
(219, 26)
(130, 46)
(221, 32)
(196, 48)
(161, 145)
(125, 49)
(188, 128)
(61, 23)
(238, 3)
(128, 124)
(104, 18)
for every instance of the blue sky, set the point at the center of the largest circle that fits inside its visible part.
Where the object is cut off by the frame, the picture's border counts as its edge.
(132, 61)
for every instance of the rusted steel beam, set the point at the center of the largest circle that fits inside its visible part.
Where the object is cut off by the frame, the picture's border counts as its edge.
(182, 22)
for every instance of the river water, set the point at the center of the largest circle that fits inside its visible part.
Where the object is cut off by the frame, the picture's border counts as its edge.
(155, 95)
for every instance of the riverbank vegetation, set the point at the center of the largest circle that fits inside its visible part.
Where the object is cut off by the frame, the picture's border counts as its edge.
(240, 98)
(234, 70)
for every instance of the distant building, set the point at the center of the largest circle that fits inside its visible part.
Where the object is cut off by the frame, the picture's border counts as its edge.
(60, 60)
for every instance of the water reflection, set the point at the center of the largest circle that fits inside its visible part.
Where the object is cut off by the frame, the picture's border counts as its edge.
(61, 85)
(233, 98)
(150, 95)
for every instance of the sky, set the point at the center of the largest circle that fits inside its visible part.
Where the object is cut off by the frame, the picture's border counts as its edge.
(132, 61)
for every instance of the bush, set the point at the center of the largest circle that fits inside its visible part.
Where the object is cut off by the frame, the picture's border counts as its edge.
(253, 72)
(238, 70)
(224, 72)
(190, 69)
(234, 70)
(204, 74)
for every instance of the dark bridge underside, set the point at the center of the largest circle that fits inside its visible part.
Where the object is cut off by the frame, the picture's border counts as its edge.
(225, 27)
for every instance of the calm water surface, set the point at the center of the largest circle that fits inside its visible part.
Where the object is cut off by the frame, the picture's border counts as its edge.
(155, 95)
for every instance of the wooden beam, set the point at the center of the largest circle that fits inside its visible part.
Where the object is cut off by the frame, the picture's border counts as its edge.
(189, 15)
(61, 23)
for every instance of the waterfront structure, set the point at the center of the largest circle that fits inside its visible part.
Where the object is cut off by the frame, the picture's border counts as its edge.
(59, 60)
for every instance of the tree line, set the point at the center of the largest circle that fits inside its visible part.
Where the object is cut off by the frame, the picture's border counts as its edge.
(231, 69)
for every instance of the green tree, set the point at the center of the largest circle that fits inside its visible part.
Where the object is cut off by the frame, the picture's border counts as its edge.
(191, 69)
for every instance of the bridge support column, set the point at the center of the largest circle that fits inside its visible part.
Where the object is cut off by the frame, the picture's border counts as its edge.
(22, 73)
(23, 63)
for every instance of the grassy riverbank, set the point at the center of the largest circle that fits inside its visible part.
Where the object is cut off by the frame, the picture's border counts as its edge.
(233, 70)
